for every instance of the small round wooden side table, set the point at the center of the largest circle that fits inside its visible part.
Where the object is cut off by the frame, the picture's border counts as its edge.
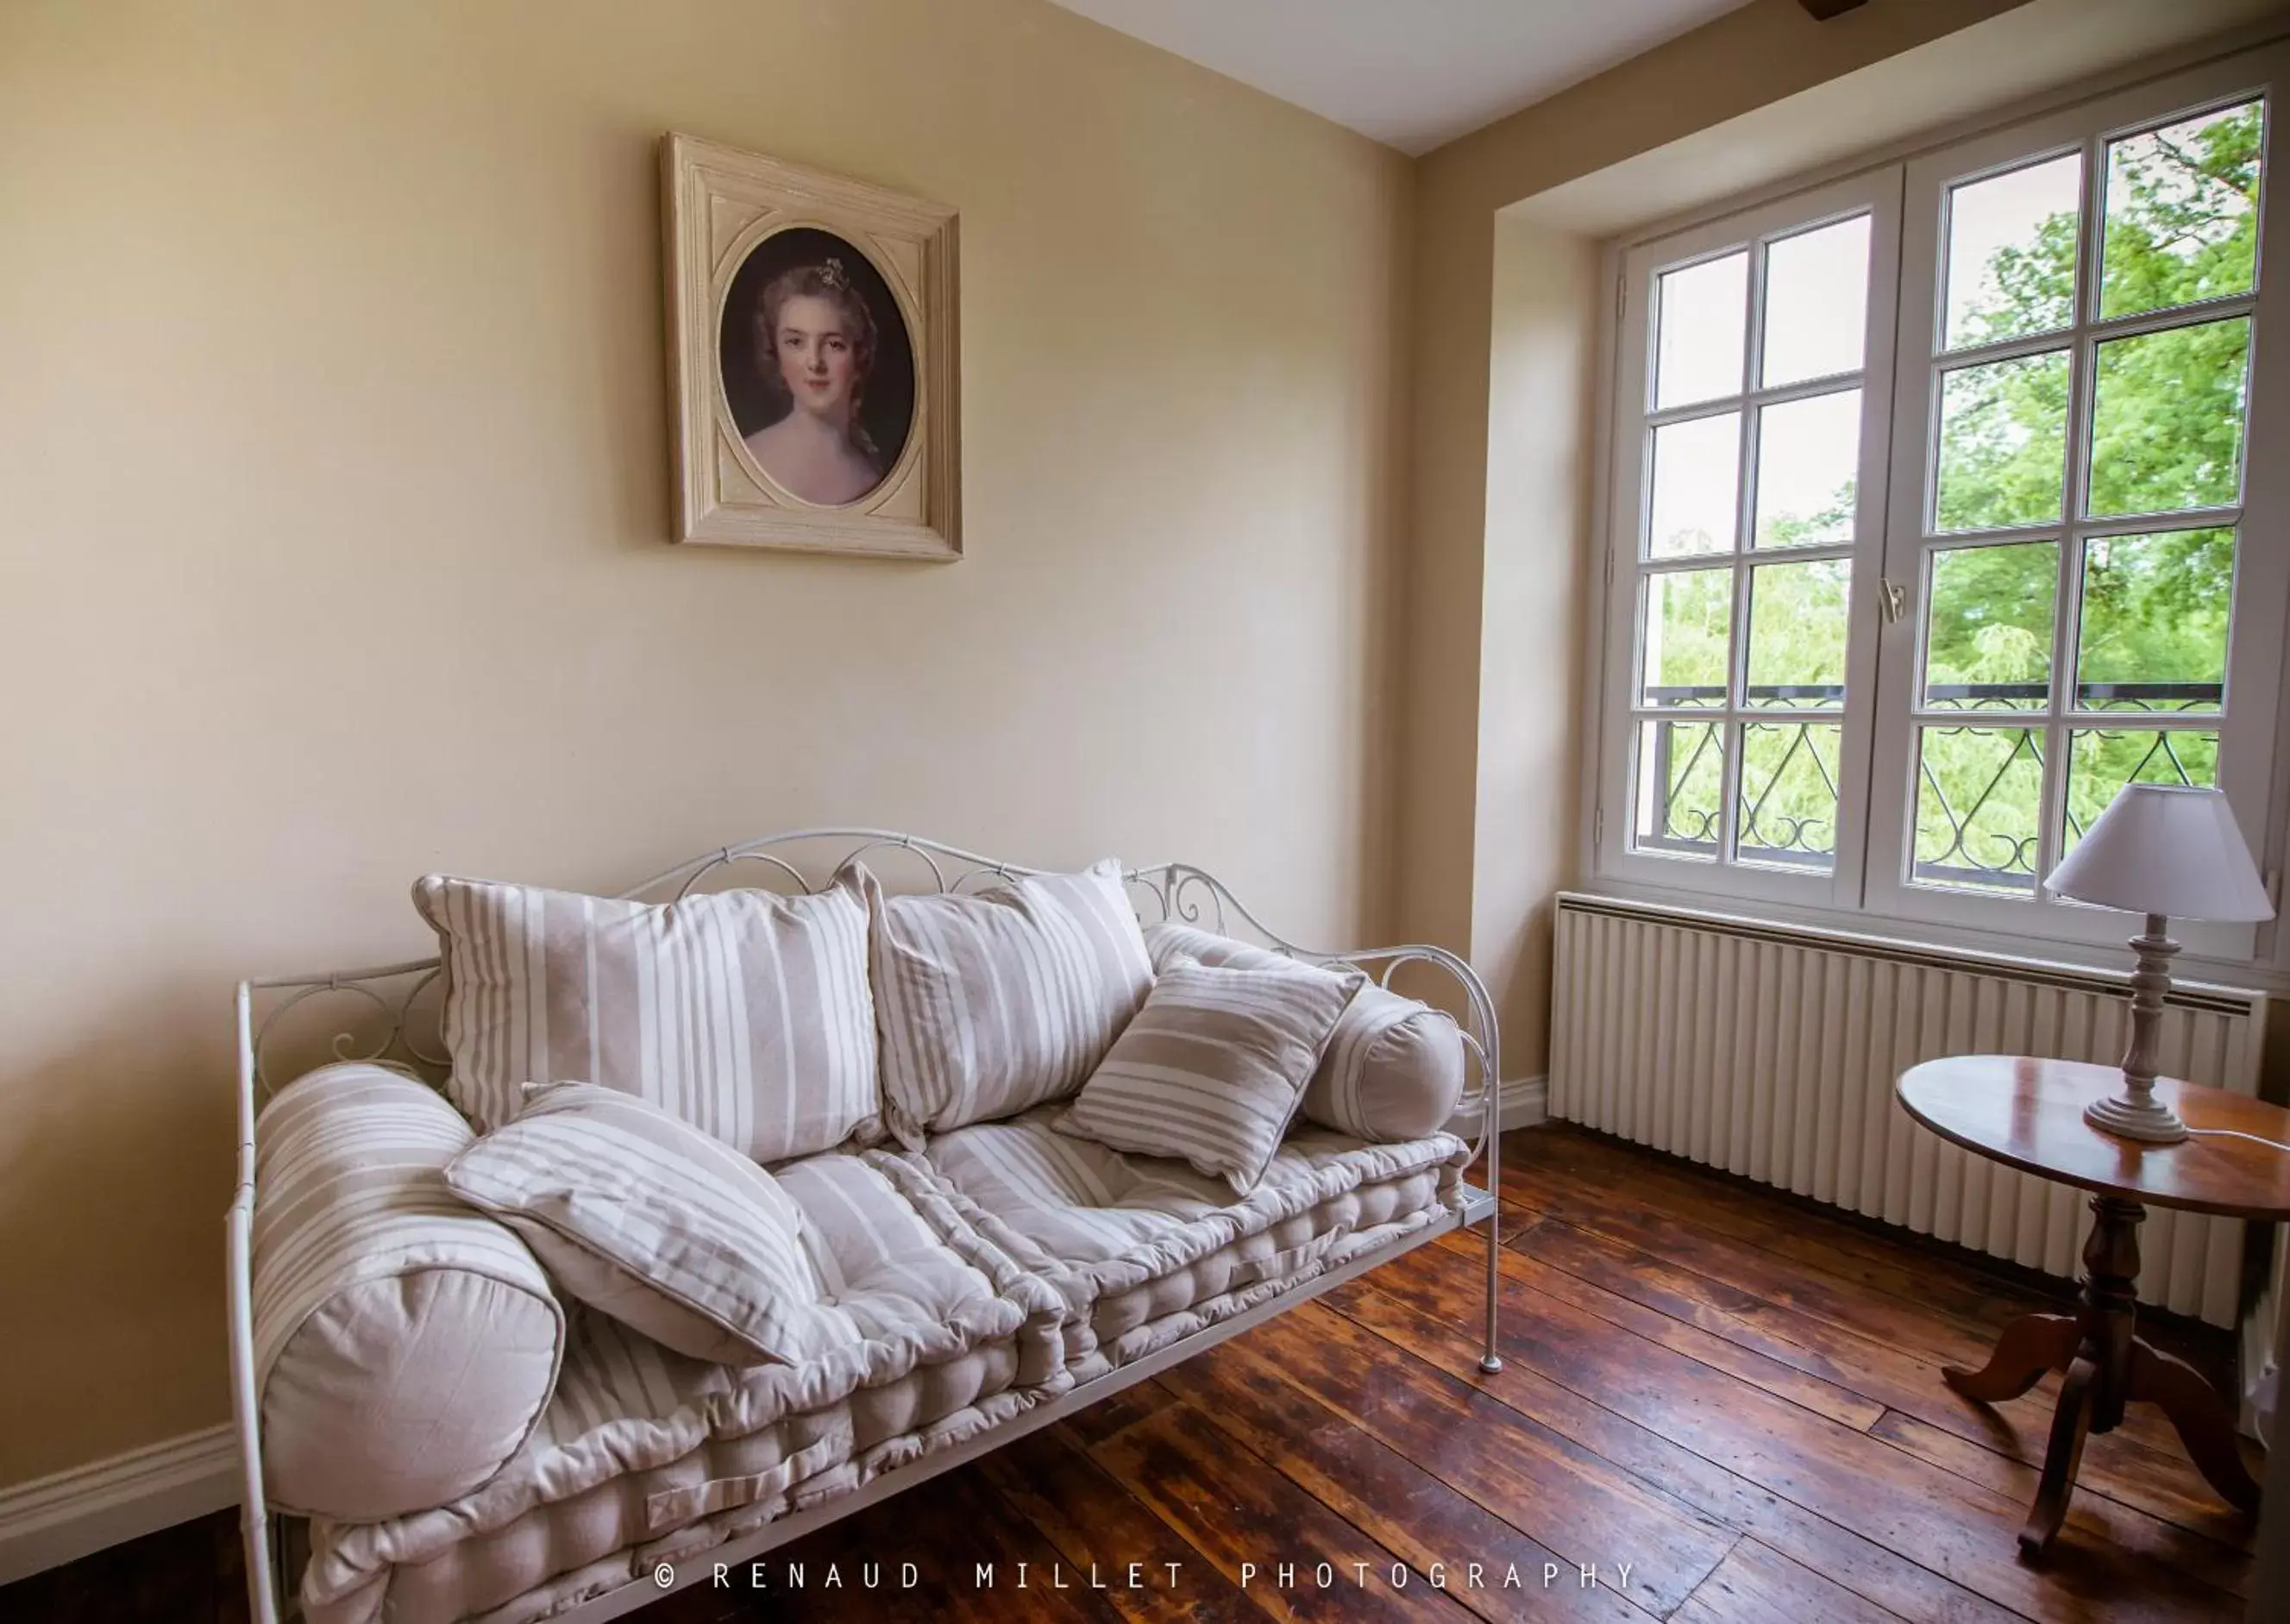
(2028, 1113)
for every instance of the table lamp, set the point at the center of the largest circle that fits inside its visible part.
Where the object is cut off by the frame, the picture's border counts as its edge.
(2158, 850)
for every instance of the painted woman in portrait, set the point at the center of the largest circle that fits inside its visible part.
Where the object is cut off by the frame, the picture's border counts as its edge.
(816, 347)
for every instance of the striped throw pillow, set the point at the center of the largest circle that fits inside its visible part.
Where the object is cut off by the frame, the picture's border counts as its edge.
(991, 1003)
(1393, 1070)
(744, 1013)
(1213, 1067)
(651, 1221)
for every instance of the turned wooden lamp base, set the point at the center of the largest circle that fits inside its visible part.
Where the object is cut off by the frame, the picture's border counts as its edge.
(2136, 1113)
(2106, 1366)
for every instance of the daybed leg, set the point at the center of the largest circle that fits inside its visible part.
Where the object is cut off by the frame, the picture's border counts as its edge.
(1490, 1361)
(263, 1555)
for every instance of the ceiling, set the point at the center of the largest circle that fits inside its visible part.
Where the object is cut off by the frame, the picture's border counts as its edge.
(1409, 73)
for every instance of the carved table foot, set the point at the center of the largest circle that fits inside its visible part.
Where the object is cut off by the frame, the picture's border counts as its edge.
(2031, 1346)
(2204, 1419)
(2070, 1424)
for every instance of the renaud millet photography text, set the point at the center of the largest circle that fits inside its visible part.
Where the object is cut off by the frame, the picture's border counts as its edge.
(861, 1574)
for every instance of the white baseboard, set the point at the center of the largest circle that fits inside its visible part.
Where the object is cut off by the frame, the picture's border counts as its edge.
(1521, 1103)
(50, 1521)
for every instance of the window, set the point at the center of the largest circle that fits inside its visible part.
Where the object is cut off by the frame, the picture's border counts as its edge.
(1933, 520)
(1755, 408)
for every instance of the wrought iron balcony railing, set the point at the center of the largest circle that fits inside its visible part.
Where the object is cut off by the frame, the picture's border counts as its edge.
(1967, 848)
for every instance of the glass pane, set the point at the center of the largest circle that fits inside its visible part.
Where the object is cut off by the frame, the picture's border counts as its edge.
(2011, 253)
(1980, 795)
(2003, 442)
(1798, 621)
(2153, 631)
(2167, 426)
(1703, 316)
(1788, 812)
(2182, 212)
(2101, 761)
(1808, 455)
(1680, 772)
(1988, 626)
(1697, 486)
(1689, 618)
(1816, 302)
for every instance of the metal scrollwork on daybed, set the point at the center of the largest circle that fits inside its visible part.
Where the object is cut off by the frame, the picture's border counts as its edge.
(388, 1014)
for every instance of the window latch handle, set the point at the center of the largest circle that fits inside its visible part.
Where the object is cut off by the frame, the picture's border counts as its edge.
(1892, 598)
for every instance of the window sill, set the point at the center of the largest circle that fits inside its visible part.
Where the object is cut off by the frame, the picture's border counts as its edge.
(1855, 928)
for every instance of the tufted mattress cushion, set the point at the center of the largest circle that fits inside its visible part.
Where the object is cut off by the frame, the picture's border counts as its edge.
(1145, 1251)
(644, 1455)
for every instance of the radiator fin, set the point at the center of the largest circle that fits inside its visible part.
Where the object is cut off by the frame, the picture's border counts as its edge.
(1773, 1055)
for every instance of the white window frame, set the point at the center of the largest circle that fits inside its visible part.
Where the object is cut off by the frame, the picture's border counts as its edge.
(2254, 664)
(1877, 195)
(1875, 812)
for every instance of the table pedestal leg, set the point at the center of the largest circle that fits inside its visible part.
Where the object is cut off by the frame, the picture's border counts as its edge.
(2205, 1422)
(2031, 1346)
(2091, 1399)
(2070, 1424)
(2106, 1366)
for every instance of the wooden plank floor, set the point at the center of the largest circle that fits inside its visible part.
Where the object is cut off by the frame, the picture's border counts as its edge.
(1736, 1396)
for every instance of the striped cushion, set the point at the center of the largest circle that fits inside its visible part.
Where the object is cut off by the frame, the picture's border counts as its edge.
(992, 1003)
(651, 1221)
(743, 1013)
(403, 1345)
(1213, 1069)
(1394, 1069)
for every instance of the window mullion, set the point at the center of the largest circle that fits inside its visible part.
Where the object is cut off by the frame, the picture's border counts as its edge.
(1734, 738)
(1779, 394)
(2051, 827)
(2067, 602)
(2113, 525)
(1745, 489)
(1729, 740)
(2143, 322)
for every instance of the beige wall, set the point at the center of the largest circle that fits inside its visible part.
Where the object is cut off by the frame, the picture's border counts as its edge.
(332, 489)
(1491, 724)
(1533, 591)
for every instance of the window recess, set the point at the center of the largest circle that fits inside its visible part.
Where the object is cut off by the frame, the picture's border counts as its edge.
(1935, 517)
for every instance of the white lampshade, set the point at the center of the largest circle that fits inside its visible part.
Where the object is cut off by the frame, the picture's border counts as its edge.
(2162, 849)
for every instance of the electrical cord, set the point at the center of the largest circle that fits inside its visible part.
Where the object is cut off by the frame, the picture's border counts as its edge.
(2233, 1133)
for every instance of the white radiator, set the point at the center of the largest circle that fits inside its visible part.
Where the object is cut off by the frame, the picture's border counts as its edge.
(1771, 1052)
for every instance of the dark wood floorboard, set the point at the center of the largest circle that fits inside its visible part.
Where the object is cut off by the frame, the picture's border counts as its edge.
(1735, 1395)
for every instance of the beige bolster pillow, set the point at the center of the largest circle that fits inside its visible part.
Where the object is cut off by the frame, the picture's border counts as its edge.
(404, 1345)
(1393, 1069)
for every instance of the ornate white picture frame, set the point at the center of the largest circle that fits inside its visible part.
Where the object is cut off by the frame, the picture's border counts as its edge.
(814, 359)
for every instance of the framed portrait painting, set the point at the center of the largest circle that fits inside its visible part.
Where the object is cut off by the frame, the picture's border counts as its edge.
(813, 357)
